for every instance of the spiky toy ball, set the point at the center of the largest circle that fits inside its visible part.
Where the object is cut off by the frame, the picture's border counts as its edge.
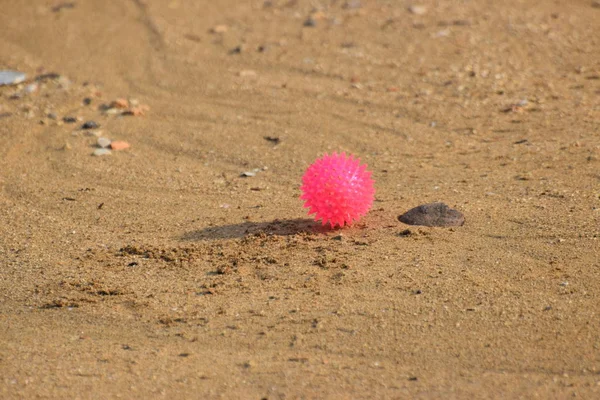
(337, 189)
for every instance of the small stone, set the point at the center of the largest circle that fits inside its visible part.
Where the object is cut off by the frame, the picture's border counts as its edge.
(272, 139)
(119, 145)
(61, 6)
(418, 9)
(69, 120)
(87, 101)
(247, 174)
(247, 73)
(32, 87)
(101, 152)
(136, 110)
(310, 22)
(90, 125)
(11, 77)
(119, 103)
(405, 233)
(433, 214)
(52, 115)
(237, 50)
(219, 29)
(103, 142)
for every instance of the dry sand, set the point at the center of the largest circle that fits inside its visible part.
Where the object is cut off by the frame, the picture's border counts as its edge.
(159, 272)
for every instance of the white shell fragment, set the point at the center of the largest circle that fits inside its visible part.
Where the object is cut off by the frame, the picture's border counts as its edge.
(11, 77)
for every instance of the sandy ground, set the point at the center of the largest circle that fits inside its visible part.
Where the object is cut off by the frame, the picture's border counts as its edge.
(159, 272)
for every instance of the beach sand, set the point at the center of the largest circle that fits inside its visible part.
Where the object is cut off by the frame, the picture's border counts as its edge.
(159, 271)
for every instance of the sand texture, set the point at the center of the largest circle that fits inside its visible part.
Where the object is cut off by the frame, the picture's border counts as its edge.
(179, 263)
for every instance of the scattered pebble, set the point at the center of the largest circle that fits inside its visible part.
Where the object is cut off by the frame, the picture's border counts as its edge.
(69, 120)
(52, 115)
(61, 6)
(219, 29)
(418, 9)
(119, 103)
(518, 107)
(103, 142)
(442, 33)
(137, 110)
(236, 50)
(406, 232)
(433, 214)
(119, 145)
(248, 174)
(11, 77)
(310, 22)
(90, 125)
(87, 101)
(247, 73)
(32, 87)
(272, 139)
(101, 152)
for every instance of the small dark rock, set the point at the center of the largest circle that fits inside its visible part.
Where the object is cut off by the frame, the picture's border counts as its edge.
(87, 101)
(90, 125)
(404, 233)
(272, 139)
(236, 50)
(310, 22)
(70, 120)
(433, 214)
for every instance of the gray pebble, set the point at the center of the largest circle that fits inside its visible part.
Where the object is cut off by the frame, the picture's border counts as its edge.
(248, 174)
(103, 142)
(11, 77)
(310, 22)
(101, 152)
(433, 214)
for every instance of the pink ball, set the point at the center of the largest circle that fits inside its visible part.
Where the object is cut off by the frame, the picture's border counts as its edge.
(337, 189)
